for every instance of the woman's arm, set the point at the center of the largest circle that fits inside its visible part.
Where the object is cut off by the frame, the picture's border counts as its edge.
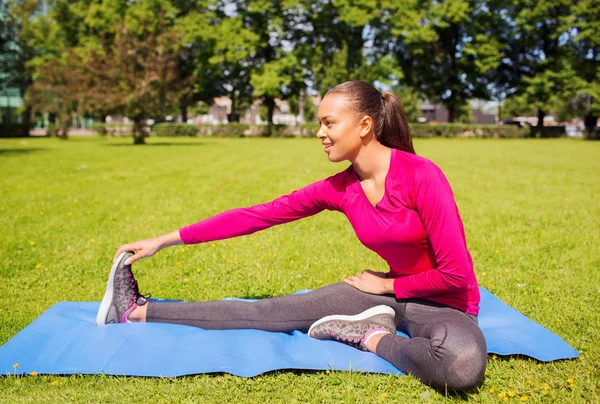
(433, 199)
(301, 203)
(149, 247)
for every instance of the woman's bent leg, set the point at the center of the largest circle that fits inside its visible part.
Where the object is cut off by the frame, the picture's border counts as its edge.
(446, 350)
(285, 313)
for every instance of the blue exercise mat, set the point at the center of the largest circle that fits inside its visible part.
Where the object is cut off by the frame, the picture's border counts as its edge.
(66, 340)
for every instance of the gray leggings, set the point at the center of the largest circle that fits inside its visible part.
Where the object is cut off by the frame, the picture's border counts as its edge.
(446, 349)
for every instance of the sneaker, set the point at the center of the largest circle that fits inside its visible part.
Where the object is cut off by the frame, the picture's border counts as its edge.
(122, 294)
(355, 330)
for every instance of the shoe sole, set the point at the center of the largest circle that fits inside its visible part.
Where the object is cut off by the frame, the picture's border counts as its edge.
(108, 296)
(373, 311)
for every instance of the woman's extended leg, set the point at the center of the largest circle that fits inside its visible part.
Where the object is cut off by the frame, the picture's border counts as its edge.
(285, 313)
(446, 350)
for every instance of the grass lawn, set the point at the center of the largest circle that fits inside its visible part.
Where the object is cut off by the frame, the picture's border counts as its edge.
(531, 210)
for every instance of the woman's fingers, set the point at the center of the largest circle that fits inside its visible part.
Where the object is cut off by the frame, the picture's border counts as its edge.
(121, 250)
(352, 281)
(136, 256)
(126, 248)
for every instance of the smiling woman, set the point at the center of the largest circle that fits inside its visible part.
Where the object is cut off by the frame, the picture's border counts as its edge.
(400, 205)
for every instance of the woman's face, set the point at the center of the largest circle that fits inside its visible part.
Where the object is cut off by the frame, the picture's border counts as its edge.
(340, 128)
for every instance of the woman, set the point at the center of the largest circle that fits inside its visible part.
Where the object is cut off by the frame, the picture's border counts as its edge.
(400, 205)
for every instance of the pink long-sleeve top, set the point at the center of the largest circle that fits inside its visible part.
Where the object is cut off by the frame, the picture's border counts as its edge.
(416, 228)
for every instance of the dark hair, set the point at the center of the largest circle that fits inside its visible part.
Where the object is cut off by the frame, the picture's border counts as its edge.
(391, 126)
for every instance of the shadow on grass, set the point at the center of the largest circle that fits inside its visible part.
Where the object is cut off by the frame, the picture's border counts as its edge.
(157, 144)
(19, 151)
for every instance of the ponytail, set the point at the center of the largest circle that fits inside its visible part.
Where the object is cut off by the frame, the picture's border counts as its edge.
(391, 126)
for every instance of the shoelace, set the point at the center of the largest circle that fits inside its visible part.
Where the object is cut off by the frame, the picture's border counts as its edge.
(135, 292)
(356, 343)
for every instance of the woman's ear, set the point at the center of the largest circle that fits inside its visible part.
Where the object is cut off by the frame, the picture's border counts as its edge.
(366, 125)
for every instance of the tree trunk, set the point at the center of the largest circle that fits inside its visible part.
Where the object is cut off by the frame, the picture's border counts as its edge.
(65, 123)
(451, 112)
(183, 107)
(270, 103)
(138, 131)
(541, 114)
(27, 119)
(64, 133)
(589, 122)
(500, 111)
(233, 117)
(301, 107)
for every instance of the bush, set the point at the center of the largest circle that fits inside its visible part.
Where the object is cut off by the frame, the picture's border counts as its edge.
(592, 134)
(13, 130)
(228, 130)
(419, 130)
(99, 128)
(175, 129)
(308, 129)
(548, 131)
(467, 130)
(52, 130)
(280, 131)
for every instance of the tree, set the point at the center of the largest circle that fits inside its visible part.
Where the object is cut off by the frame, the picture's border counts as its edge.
(515, 106)
(445, 49)
(584, 17)
(540, 25)
(226, 66)
(33, 42)
(139, 74)
(309, 109)
(59, 89)
(272, 80)
(411, 102)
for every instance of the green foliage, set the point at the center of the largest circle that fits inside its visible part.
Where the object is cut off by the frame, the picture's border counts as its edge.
(464, 114)
(547, 132)
(164, 55)
(428, 37)
(200, 108)
(175, 129)
(228, 130)
(263, 112)
(52, 130)
(310, 111)
(99, 128)
(308, 129)
(517, 106)
(451, 130)
(273, 76)
(550, 88)
(280, 131)
(411, 103)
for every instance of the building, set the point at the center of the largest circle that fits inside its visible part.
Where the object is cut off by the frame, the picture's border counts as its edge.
(11, 98)
(437, 113)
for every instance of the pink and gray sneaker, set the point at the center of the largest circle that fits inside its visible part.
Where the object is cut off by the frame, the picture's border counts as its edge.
(122, 294)
(355, 330)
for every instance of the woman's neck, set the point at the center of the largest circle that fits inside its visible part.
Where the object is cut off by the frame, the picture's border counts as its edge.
(372, 162)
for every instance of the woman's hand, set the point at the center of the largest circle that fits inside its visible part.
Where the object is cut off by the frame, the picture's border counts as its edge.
(368, 281)
(141, 249)
(149, 247)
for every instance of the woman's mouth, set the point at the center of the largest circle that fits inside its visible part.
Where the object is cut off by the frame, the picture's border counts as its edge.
(327, 146)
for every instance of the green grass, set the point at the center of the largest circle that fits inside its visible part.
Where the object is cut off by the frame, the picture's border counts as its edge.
(531, 210)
